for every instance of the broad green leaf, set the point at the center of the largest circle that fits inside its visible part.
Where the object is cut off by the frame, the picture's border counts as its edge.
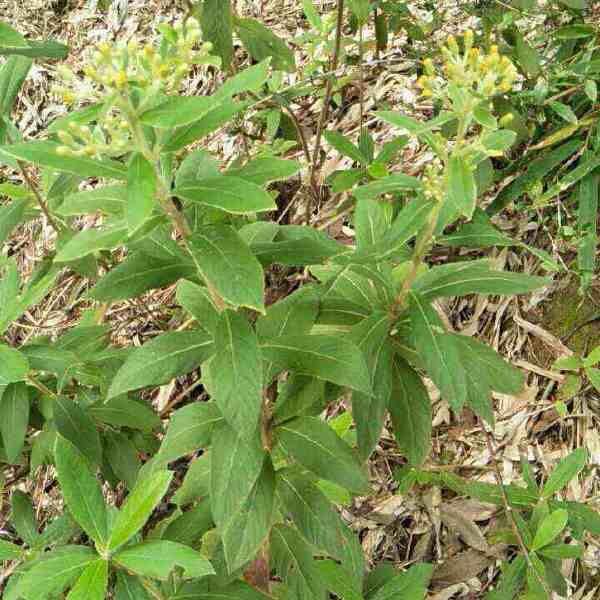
(162, 359)
(360, 9)
(122, 456)
(83, 116)
(462, 190)
(261, 171)
(11, 215)
(227, 263)
(496, 143)
(549, 529)
(139, 273)
(310, 510)
(369, 410)
(138, 507)
(410, 585)
(244, 531)
(90, 241)
(262, 43)
(130, 587)
(231, 194)
(371, 222)
(588, 195)
(75, 424)
(141, 189)
(324, 356)
(314, 445)
(178, 111)
(478, 233)
(12, 76)
(190, 526)
(396, 182)
(196, 166)
(236, 370)
(338, 581)
(437, 351)
(54, 572)
(567, 469)
(23, 518)
(212, 121)
(197, 301)
(345, 147)
(14, 419)
(122, 411)
(44, 154)
(93, 582)
(511, 580)
(32, 48)
(196, 483)
(474, 280)
(236, 466)
(295, 552)
(190, 428)
(564, 111)
(81, 490)
(238, 590)
(404, 227)
(217, 28)
(563, 551)
(14, 365)
(527, 55)
(158, 558)
(9, 551)
(410, 409)
(250, 79)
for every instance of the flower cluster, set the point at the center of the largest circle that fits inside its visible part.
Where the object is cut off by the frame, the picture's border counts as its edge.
(433, 182)
(484, 74)
(115, 71)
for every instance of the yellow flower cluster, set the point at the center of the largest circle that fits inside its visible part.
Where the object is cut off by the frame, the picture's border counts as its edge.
(485, 74)
(114, 72)
(433, 182)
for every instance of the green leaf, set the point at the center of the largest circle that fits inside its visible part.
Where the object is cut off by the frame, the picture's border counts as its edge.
(44, 154)
(212, 121)
(575, 4)
(567, 469)
(244, 531)
(90, 241)
(496, 143)
(235, 591)
(436, 350)
(462, 190)
(178, 110)
(190, 428)
(110, 199)
(122, 456)
(75, 424)
(262, 43)
(296, 553)
(81, 490)
(14, 419)
(122, 411)
(141, 189)
(14, 366)
(564, 111)
(93, 582)
(360, 9)
(326, 357)
(527, 55)
(196, 484)
(138, 507)
(371, 222)
(23, 518)
(139, 273)
(563, 551)
(190, 526)
(217, 28)
(550, 528)
(236, 466)
(162, 359)
(11, 215)
(410, 409)
(129, 587)
(338, 581)
(311, 512)
(236, 370)
(158, 558)
(474, 278)
(388, 185)
(197, 301)
(410, 585)
(227, 263)
(12, 76)
(250, 79)
(30, 48)
(345, 147)
(315, 446)
(231, 194)
(9, 551)
(261, 171)
(54, 572)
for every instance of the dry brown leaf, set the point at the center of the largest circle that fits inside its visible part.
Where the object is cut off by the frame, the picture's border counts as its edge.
(460, 524)
(461, 567)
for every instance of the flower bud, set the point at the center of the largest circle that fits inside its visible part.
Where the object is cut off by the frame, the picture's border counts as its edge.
(63, 151)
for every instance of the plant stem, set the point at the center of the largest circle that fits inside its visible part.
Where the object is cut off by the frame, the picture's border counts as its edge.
(509, 511)
(316, 158)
